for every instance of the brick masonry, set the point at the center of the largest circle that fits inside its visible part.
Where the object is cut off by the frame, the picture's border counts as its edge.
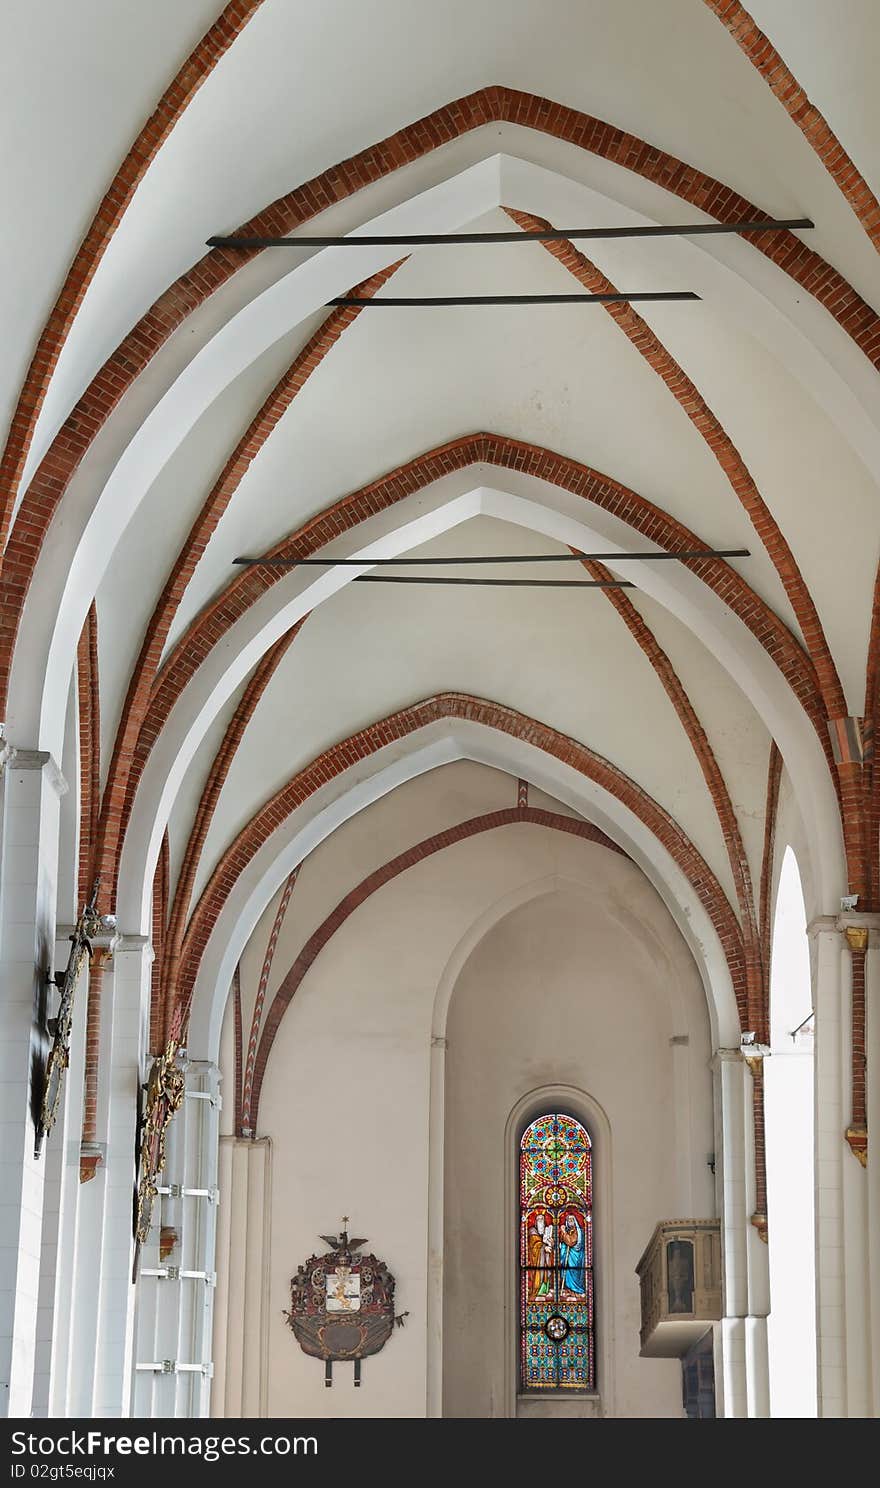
(88, 693)
(246, 1124)
(813, 126)
(204, 815)
(774, 775)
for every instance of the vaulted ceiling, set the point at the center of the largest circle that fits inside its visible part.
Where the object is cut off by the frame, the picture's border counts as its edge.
(169, 407)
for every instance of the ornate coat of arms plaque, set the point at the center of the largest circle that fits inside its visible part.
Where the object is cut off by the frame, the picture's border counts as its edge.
(88, 925)
(342, 1304)
(164, 1096)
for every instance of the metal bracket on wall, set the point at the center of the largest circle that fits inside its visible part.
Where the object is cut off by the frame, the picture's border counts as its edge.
(174, 1273)
(215, 1100)
(177, 1191)
(171, 1366)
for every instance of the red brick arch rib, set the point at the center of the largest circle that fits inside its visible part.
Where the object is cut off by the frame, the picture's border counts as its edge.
(771, 807)
(765, 929)
(871, 766)
(648, 520)
(89, 712)
(161, 894)
(246, 450)
(487, 106)
(445, 706)
(715, 784)
(217, 774)
(813, 126)
(245, 1124)
(237, 1038)
(197, 67)
(694, 405)
(462, 832)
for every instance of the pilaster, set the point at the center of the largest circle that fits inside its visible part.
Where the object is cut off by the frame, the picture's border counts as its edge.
(842, 1248)
(60, 1209)
(243, 1268)
(122, 1048)
(177, 1281)
(31, 786)
(743, 1387)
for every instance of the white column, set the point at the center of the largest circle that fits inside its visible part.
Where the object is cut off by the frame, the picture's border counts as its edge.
(872, 1052)
(436, 1128)
(221, 1389)
(176, 1292)
(758, 1270)
(77, 1387)
(242, 1278)
(30, 790)
(200, 1248)
(830, 1155)
(61, 1192)
(842, 1202)
(859, 1265)
(123, 1024)
(742, 1369)
(727, 1068)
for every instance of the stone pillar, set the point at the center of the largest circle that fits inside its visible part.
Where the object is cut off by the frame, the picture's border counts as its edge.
(842, 1264)
(175, 1303)
(436, 1132)
(123, 1042)
(31, 787)
(242, 1280)
(872, 1052)
(757, 1251)
(62, 1184)
(830, 1153)
(742, 1368)
(81, 1217)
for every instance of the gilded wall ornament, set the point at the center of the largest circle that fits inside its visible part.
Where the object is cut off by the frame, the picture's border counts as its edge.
(87, 926)
(857, 1140)
(165, 1091)
(342, 1304)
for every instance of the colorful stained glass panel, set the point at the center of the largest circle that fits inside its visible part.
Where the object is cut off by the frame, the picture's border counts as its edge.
(556, 1256)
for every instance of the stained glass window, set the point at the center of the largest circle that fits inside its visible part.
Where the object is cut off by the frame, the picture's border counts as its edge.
(556, 1256)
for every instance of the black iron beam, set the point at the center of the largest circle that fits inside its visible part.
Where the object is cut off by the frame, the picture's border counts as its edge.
(543, 235)
(545, 299)
(496, 583)
(491, 558)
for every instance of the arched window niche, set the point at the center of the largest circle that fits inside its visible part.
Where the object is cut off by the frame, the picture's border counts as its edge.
(590, 1391)
(556, 1300)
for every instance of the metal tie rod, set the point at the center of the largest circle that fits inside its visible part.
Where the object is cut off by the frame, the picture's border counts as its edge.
(543, 235)
(688, 553)
(546, 299)
(496, 583)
